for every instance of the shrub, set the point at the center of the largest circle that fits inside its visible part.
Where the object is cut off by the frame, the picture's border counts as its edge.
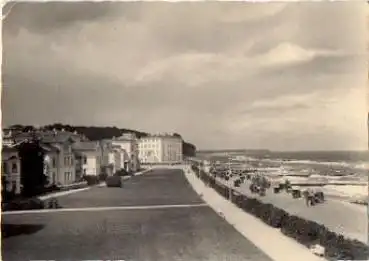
(102, 176)
(91, 180)
(114, 181)
(7, 195)
(23, 204)
(122, 173)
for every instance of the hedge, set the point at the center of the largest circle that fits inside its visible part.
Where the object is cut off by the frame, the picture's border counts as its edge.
(91, 179)
(114, 181)
(23, 204)
(306, 232)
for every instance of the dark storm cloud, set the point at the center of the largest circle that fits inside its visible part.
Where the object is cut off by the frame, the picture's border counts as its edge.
(49, 16)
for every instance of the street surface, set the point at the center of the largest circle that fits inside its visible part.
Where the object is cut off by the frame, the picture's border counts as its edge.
(148, 232)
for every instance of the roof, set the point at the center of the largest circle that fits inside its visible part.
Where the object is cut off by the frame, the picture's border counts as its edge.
(164, 136)
(13, 157)
(8, 149)
(49, 136)
(49, 147)
(85, 146)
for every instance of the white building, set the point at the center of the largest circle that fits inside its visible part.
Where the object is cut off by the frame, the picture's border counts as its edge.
(88, 157)
(160, 149)
(116, 158)
(128, 142)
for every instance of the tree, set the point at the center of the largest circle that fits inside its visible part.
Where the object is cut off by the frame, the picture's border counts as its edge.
(33, 178)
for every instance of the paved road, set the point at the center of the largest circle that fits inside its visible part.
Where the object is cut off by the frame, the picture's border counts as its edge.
(191, 233)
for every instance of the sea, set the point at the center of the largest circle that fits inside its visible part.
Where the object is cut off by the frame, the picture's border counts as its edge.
(346, 164)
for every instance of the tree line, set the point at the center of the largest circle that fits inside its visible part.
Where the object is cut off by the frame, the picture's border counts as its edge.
(99, 133)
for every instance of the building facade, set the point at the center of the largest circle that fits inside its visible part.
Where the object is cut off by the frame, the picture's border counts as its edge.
(11, 170)
(129, 143)
(160, 149)
(88, 156)
(59, 160)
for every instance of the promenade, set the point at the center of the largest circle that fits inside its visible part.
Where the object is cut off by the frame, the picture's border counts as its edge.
(155, 216)
(339, 216)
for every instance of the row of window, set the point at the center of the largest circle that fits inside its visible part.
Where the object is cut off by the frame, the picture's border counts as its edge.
(68, 176)
(149, 145)
(10, 169)
(68, 161)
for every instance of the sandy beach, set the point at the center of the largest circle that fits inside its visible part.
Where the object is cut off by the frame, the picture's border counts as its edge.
(349, 219)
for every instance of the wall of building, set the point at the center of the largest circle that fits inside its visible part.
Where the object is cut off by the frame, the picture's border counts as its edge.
(11, 171)
(160, 149)
(66, 168)
(91, 163)
(131, 149)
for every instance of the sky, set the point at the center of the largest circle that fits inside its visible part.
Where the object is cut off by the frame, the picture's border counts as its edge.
(279, 76)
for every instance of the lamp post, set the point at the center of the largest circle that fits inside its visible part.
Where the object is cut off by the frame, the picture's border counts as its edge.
(230, 172)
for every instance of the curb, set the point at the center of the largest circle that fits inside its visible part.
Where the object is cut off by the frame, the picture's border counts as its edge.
(63, 193)
(251, 227)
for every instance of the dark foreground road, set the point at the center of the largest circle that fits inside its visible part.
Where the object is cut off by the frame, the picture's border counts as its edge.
(191, 233)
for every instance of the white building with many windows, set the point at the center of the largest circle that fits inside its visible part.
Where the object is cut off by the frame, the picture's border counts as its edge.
(163, 148)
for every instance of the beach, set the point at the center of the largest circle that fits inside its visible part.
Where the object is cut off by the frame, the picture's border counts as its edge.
(340, 191)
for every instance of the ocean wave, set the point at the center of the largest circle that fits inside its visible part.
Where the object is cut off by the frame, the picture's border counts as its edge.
(356, 165)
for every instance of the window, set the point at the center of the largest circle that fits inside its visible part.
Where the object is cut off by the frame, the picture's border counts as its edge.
(5, 168)
(54, 178)
(54, 162)
(14, 168)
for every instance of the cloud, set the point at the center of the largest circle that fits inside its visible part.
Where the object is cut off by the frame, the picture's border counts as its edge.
(221, 74)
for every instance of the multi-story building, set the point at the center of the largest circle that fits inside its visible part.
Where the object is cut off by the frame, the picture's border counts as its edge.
(115, 156)
(11, 169)
(59, 157)
(160, 149)
(88, 157)
(128, 142)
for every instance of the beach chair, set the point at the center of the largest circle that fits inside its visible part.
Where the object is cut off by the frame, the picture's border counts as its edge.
(319, 197)
(296, 193)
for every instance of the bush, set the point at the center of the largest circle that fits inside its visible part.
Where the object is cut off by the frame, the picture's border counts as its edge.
(23, 204)
(102, 176)
(122, 173)
(7, 195)
(49, 189)
(91, 180)
(114, 181)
